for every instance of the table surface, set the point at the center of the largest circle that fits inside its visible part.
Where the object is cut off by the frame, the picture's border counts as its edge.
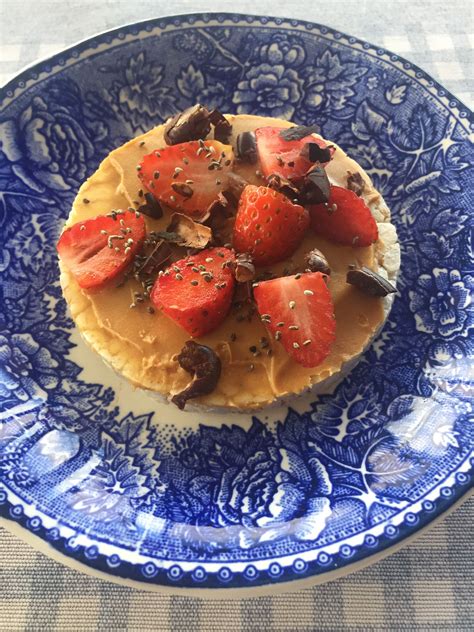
(427, 585)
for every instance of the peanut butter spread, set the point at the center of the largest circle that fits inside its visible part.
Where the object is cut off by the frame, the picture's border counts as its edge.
(143, 346)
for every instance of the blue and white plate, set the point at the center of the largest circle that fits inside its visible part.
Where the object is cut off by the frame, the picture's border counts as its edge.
(105, 478)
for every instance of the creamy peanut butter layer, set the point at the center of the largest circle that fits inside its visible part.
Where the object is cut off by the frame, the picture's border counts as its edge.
(143, 346)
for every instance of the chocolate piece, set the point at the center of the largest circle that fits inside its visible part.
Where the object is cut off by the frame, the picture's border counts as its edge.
(235, 185)
(298, 132)
(151, 208)
(315, 188)
(204, 365)
(316, 262)
(219, 205)
(314, 153)
(222, 127)
(246, 147)
(182, 189)
(218, 219)
(355, 183)
(243, 268)
(150, 263)
(370, 282)
(191, 234)
(191, 124)
(284, 186)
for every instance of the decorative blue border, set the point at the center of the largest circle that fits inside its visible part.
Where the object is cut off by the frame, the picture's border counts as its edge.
(276, 573)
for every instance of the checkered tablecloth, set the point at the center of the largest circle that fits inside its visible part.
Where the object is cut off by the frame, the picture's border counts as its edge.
(426, 586)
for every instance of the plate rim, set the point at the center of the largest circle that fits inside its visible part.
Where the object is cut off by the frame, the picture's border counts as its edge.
(232, 593)
(279, 21)
(239, 19)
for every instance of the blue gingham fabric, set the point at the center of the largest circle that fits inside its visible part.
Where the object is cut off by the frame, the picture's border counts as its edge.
(426, 586)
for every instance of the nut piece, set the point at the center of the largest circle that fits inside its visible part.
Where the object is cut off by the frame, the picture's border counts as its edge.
(355, 183)
(370, 282)
(316, 262)
(204, 365)
(284, 186)
(191, 233)
(191, 124)
(244, 270)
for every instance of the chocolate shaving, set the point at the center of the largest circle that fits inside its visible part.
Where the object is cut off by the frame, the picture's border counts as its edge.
(191, 124)
(222, 127)
(355, 183)
(298, 132)
(243, 268)
(316, 262)
(152, 262)
(190, 234)
(182, 189)
(314, 153)
(204, 365)
(246, 147)
(151, 208)
(235, 185)
(370, 282)
(284, 186)
(315, 188)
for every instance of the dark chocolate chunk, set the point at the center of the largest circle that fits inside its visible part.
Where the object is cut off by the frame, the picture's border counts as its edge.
(222, 127)
(243, 268)
(314, 153)
(205, 367)
(355, 183)
(316, 262)
(315, 188)
(298, 132)
(191, 124)
(235, 185)
(152, 207)
(370, 282)
(246, 147)
(284, 186)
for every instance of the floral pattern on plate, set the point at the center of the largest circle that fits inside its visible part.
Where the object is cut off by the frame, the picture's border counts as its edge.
(245, 501)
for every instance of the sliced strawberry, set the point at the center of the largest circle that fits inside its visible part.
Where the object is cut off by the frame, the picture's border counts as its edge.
(196, 292)
(299, 312)
(268, 225)
(98, 250)
(187, 177)
(283, 157)
(345, 219)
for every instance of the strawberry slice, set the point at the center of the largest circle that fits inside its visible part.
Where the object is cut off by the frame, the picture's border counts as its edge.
(187, 177)
(268, 225)
(98, 250)
(283, 157)
(345, 219)
(299, 312)
(196, 292)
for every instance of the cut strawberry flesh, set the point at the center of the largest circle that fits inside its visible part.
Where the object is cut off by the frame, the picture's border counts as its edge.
(187, 177)
(283, 157)
(97, 251)
(299, 312)
(345, 219)
(196, 292)
(268, 225)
